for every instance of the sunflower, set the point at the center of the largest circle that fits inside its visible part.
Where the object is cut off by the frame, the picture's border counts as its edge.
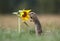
(24, 15)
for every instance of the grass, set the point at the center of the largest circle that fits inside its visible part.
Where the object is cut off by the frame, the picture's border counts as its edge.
(47, 35)
(50, 27)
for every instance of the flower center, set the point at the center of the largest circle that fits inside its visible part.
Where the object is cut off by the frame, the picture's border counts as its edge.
(24, 15)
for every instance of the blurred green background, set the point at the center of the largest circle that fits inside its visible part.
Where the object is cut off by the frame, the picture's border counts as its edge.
(38, 6)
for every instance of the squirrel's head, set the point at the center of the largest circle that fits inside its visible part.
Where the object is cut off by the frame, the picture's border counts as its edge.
(31, 14)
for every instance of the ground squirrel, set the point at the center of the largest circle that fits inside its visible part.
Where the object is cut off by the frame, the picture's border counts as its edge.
(36, 22)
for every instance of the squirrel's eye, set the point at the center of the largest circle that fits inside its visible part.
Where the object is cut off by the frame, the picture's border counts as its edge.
(31, 13)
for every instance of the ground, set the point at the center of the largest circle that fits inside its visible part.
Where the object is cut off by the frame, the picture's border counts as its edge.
(50, 26)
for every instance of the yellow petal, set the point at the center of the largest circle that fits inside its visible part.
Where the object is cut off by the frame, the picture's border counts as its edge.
(27, 17)
(21, 13)
(26, 10)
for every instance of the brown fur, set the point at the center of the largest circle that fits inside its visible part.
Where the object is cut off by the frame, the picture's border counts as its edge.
(36, 22)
